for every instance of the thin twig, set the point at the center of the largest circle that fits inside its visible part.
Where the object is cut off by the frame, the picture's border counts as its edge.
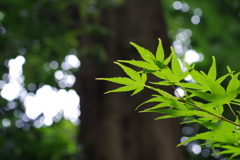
(196, 106)
(232, 110)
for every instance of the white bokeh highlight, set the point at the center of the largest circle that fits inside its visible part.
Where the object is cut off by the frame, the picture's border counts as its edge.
(195, 19)
(50, 101)
(191, 56)
(177, 5)
(73, 61)
(47, 104)
(15, 66)
(196, 149)
(179, 92)
(12, 89)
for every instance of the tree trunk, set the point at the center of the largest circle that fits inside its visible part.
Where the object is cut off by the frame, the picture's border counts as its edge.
(110, 127)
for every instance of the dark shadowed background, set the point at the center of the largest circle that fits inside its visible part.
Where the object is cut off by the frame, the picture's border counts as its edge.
(51, 51)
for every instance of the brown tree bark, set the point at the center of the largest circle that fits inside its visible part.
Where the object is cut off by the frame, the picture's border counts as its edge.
(110, 127)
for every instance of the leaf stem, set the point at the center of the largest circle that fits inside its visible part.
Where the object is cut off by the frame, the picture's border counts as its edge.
(232, 110)
(194, 104)
(219, 117)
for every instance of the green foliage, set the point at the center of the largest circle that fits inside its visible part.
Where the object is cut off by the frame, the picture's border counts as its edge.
(53, 143)
(39, 31)
(203, 102)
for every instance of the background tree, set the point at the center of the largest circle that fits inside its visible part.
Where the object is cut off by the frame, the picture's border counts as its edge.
(110, 128)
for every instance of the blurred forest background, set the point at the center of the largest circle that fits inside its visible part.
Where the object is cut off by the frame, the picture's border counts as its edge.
(51, 51)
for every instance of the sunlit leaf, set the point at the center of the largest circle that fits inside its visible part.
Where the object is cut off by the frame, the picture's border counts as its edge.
(130, 72)
(178, 105)
(190, 85)
(184, 75)
(163, 83)
(212, 73)
(176, 68)
(208, 97)
(208, 113)
(165, 117)
(233, 87)
(177, 113)
(234, 150)
(160, 51)
(160, 75)
(206, 122)
(167, 60)
(156, 98)
(229, 70)
(222, 78)
(211, 107)
(203, 136)
(216, 89)
(139, 89)
(145, 54)
(140, 64)
(144, 78)
(165, 72)
(161, 105)
(198, 77)
(122, 89)
(119, 80)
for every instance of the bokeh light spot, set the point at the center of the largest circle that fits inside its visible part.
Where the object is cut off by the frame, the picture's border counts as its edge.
(48, 121)
(196, 149)
(12, 105)
(216, 153)
(195, 19)
(177, 45)
(205, 152)
(65, 66)
(54, 64)
(47, 67)
(2, 84)
(5, 77)
(23, 94)
(6, 122)
(2, 30)
(1, 16)
(62, 84)
(11, 90)
(50, 102)
(185, 7)
(59, 75)
(26, 127)
(177, 5)
(72, 60)
(188, 32)
(24, 13)
(179, 92)
(17, 113)
(19, 123)
(38, 123)
(188, 78)
(187, 130)
(31, 87)
(22, 50)
(25, 118)
(72, 51)
(183, 139)
(70, 79)
(191, 56)
(15, 66)
(197, 12)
